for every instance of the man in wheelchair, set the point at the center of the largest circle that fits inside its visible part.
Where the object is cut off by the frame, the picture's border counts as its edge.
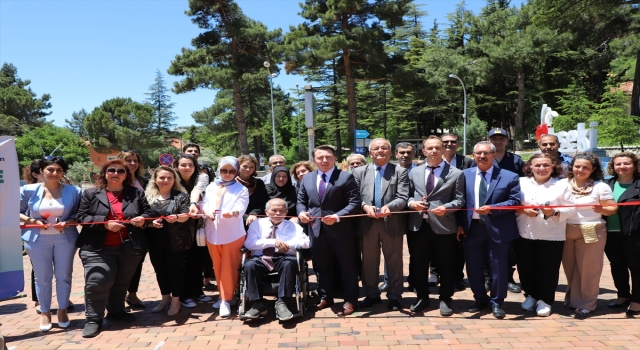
(273, 242)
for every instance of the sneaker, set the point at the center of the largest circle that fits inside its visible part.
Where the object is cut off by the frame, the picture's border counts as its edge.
(188, 303)
(256, 310)
(282, 311)
(582, 312)
(225, 309)
(204, 298)
(216, 305)
(529, 303)
(91, 329)
(543, 309)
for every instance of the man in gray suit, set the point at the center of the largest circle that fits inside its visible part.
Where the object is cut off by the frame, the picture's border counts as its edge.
(384, 188)
(434, 186)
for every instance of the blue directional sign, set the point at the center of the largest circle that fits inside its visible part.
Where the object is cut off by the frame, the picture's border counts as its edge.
(362, 134)
(361, 150)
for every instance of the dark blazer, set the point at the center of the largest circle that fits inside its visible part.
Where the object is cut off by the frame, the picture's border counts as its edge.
(395, 193)
(463, 162)
(504, 190)
(258, 199)
(94, 207)
(341, 197)
(629, 215)
(511, 162)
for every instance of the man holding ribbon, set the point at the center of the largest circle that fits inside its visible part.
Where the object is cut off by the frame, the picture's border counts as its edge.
(273, 242)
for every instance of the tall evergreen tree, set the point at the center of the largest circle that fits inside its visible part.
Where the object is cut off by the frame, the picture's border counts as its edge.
(162, 106)
(76, 123)
(229, 54)
(18, 103)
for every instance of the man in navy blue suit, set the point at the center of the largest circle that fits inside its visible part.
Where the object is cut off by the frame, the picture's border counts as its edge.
(488, 231)
(325, 195)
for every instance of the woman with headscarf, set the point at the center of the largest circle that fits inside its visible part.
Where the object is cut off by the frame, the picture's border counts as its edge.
(281, 187)
(258, 196)
(225, 202)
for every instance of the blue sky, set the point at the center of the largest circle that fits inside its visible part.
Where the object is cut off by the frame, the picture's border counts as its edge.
(84, 52)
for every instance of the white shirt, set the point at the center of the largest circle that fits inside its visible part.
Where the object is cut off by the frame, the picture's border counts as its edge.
(287, 232)
(453, 161)
(319, 177)
(585, 215)
(476, 189)
(54, 209)
(555, 192)
(226, 230)
(266, 178)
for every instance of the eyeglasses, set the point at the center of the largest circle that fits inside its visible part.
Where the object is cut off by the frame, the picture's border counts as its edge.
(228, 171)
(449, 141)
(114, 170)
(130, 150)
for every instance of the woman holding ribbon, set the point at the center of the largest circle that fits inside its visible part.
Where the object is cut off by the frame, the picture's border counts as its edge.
(111, 243)
(543, 231)
(48, 209)
(133, 161)
(225, 202)
(583, 255)
(623, 231)
(172, 235)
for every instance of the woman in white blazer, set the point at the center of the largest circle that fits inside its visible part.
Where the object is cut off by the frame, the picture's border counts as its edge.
(49, 209)
(225, 203)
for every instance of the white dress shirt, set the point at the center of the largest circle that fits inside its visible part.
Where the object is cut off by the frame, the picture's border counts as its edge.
(287, 231)
(476, 189)
(319, 177)
(555, 192)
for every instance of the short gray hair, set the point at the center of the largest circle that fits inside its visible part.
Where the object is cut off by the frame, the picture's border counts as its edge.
(277, 155)
(274, 200)
(493, 148)
(380, 139)
(405, 145)
(358, 155)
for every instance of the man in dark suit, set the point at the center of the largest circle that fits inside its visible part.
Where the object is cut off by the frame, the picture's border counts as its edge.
(325, 195)
(488, 232)
(434, 186)
(384, 188)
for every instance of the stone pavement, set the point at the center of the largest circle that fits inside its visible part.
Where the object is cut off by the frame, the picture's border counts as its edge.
(376, 328)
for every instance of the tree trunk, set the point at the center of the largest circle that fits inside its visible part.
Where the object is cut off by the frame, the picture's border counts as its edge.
(351, 85)
(384, 112)
(240, 118)
(519, 124)
(635, 93)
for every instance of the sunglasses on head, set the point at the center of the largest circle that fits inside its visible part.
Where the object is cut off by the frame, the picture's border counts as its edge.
(114, 170)
(130, 150)
(54, 158)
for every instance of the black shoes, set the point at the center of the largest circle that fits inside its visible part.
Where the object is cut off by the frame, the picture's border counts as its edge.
(614, 305)
(497, 311)
(460, 286)
(369, 302)
(394, 305)
(91, 329)
(477, 307)
(121, 316)
(445, 308)
(420, 305)
(383, 287)
(514, 288)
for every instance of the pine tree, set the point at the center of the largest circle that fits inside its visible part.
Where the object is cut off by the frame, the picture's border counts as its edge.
(162, 106)
(76, 123)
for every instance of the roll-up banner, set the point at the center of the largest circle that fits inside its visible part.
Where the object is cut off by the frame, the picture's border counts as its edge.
(11, 270)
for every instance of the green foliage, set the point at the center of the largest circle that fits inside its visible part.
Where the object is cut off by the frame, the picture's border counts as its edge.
(615, 125)
(81, 171)
(476, 132)
(18, 103)
(76, 123)
(55, 141)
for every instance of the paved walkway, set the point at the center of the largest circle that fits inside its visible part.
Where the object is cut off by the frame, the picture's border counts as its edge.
(376, 328)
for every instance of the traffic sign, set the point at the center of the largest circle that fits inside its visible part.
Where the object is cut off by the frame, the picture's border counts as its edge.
(166, 159)
(362, 134)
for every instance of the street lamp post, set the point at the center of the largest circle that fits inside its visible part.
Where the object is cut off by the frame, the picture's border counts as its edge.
(299, 112)
(464, 115)
(273, 112)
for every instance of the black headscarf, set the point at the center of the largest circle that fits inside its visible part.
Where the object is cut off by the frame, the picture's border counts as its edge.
(286, 192)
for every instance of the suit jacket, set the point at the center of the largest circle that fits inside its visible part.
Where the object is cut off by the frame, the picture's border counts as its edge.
(448, 191)
(629, 215)
(463, 162)
(31, 199)
(94, 207)
(504, 190)
(395, 193)
(341, 197)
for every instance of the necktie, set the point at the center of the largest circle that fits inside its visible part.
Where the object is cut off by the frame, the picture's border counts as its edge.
(267, 253)
(377, 189)
(482, 191)
(323, 186)
(431, 179)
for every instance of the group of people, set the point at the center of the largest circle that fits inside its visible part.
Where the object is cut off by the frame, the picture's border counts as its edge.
(452, 208)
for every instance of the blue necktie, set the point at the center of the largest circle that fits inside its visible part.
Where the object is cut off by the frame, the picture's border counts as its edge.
(482, 191)
(323, 186)
(377, 189)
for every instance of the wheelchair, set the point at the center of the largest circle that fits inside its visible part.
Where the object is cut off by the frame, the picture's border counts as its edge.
(271, 282)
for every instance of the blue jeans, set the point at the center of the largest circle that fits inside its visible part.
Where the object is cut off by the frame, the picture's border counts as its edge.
(52, 254)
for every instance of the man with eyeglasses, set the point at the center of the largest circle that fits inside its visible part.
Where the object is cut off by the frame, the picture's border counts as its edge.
(485, 231)
(384, 188)
(550, 144)
(274, 161)
(355, 160)
(512, 162)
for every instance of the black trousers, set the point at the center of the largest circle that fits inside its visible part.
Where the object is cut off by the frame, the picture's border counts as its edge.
(135, 280)
(425, 246)
(256, 270)
(623, 252)
(459, 263)
(34, 296)
(107, 274)
(324, 248)
(539, 267)
(193, 266)
(169, 268)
